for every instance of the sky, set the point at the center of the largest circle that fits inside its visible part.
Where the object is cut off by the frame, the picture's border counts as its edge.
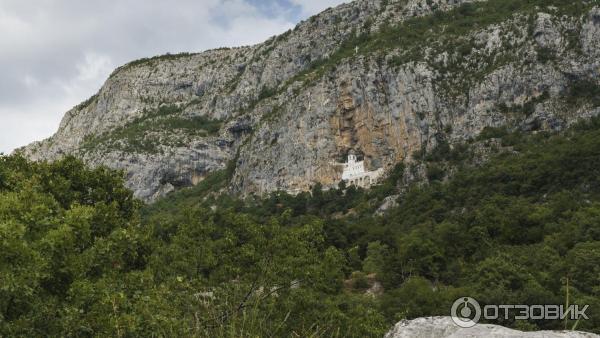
(55, 54)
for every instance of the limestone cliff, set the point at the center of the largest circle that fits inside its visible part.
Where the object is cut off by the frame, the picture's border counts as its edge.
(383, 78)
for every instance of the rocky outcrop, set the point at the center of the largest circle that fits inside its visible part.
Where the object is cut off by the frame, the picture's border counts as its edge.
(444, 327)
(389, 202)
(591, 33)
(286, 112)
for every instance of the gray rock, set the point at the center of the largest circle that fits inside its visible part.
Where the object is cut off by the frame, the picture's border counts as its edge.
(388, 203)
(444, 327)
(590, 34)
(546, 34)
(289, 135)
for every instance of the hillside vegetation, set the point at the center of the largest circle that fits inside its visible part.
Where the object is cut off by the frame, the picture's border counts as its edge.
(143, 133)
(80, 257)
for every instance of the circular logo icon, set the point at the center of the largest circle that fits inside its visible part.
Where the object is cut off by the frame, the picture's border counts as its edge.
(466, 312)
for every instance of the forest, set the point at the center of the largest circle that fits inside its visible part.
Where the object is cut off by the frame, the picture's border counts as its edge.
(81, 257)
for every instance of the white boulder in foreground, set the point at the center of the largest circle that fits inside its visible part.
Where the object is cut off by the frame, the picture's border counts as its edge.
(444, 327)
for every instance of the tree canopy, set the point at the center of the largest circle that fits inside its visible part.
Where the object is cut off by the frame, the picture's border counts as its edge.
(79, 256)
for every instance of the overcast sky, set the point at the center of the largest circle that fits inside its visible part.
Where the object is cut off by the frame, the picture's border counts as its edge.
(56, 53)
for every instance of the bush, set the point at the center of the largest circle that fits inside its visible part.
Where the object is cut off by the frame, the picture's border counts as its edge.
(136, 136)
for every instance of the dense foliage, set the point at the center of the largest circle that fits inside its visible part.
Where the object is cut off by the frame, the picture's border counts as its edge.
(521, 229)
(76, 261)
(78, 257)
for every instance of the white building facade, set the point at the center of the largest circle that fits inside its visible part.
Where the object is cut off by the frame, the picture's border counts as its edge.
(355, 174)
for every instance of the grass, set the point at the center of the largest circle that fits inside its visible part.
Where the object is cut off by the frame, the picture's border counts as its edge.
(151, 60)
(584, 90)
(136, 136)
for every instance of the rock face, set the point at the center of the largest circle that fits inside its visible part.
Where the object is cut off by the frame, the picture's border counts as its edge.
(283, 114)
(444, 327)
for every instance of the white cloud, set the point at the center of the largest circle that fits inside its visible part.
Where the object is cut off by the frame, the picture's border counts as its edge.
(30, 123)
(31, 81)
(13, 29)
(39, 117)
(311, 7)
(57, 53)
(94, 67)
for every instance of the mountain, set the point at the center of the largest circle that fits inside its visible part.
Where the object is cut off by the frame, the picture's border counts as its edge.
(483, 115)
(384, 79)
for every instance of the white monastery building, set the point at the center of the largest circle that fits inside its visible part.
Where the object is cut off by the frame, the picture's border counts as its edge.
(355, 174)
